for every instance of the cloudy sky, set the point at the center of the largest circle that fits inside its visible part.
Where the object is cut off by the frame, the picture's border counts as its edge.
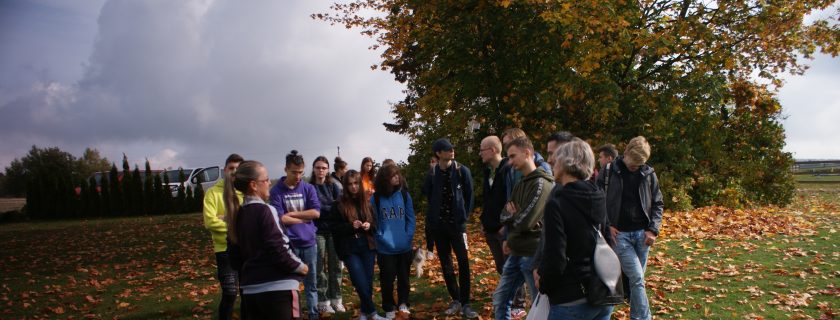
(185, 83)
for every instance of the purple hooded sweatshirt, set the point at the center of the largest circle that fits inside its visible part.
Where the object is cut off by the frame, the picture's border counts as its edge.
(300, 198)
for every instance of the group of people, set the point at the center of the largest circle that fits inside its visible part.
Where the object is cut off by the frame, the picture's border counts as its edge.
(269, 239)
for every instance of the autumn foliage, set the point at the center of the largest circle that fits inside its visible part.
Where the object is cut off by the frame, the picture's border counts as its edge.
(680, 72)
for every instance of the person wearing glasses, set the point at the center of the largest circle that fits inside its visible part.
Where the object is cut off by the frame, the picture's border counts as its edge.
(270, 272)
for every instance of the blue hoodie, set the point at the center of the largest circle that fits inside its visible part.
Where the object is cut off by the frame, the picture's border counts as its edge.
(394, 222)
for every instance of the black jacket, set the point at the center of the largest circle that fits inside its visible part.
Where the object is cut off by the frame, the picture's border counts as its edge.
(343, 232)
(496, 196)
(569, 242)
(649, 194)
(460, 179)
(263, 253)
(328, 193)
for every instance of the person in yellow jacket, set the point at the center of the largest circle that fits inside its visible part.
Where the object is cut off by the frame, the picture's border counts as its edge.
(214, 221)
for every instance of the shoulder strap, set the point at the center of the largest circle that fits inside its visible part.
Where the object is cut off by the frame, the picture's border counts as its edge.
(376, 200)
(458, 172)
(607, 178)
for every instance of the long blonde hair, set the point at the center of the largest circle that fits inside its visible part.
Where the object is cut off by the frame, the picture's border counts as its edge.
(240, 180)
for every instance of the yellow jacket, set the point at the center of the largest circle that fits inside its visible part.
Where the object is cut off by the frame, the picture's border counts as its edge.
(214, 214)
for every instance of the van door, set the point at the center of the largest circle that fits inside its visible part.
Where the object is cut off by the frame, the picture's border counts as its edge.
(207, 177)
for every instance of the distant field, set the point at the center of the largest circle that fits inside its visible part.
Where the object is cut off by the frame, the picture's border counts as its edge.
(11, 204)
(809, 178)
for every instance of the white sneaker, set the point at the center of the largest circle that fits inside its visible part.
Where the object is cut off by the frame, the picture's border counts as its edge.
(391, 314)
(338, 306)
(374, 316)
(325, 307)
(404, 309)
(454, 308)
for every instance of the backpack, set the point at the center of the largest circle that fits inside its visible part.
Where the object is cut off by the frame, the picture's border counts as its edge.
(457, 171)
(603, 287)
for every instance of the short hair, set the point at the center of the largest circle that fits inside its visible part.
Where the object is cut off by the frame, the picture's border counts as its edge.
(609, 149)
(521, 143)
(294, 158)
(339, 164)
(234, 158)
(575, 158)
(493, 141)
(514, 133)
(561, 137)
(637, 151)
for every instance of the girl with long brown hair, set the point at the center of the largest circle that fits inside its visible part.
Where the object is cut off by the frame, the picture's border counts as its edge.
(352, 224)
(368, 173)
(394, 214)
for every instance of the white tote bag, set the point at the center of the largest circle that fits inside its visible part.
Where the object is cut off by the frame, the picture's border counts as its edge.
(539, 309)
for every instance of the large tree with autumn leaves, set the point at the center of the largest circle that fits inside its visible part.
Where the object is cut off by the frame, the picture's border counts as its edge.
(697, 78)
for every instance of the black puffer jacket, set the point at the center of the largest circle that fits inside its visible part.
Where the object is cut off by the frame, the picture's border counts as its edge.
(649, 194)
(569, 243)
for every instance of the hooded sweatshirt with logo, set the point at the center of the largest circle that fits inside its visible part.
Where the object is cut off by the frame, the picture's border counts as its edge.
(301, 197)
(529, 196)
(395, 222)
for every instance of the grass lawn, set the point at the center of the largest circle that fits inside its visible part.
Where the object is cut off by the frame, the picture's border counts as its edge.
(812, 179)
(711, 263)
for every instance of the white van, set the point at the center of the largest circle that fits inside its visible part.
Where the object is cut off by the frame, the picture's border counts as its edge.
(207, 177)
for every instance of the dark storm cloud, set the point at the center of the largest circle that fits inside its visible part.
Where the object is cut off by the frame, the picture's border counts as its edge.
(195, 80)
(187, 82)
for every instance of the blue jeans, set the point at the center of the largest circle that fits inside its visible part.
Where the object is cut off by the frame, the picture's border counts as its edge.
(632, 252)
(581, 311)
(359, 265)
(517, 270)
(309, 255)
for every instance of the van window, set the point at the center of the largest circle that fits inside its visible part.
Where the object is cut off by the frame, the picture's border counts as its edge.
(174, 175)
(212, 174)
(207, 175)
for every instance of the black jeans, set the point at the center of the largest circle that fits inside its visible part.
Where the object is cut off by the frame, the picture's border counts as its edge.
(394, 266)
(449, 238)
(229, 284)
(272, 305)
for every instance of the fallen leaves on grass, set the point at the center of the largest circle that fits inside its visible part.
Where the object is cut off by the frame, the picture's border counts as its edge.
(98, 268)
(725, 223)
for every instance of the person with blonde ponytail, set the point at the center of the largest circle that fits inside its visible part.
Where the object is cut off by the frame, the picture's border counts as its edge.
(270, 273)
